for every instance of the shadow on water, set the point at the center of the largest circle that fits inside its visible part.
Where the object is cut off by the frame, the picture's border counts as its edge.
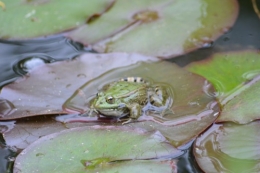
(16, 58)
(187, 164)
(7, 157)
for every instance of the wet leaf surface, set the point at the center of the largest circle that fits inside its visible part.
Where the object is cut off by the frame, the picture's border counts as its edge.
(45, 88)
(158, 28)
(229, 148)
(27, 19)
(91, 148)
(243, 108)
(228, 71)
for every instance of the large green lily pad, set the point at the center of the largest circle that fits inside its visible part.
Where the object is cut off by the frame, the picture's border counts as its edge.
(160, 28)
(229, 148)
(26, 19)
(244, 108)
(234, 76)
(92, 149)
(228, 71)
(45, 88)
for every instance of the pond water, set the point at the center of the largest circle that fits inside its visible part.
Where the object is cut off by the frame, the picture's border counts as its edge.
(19, 56)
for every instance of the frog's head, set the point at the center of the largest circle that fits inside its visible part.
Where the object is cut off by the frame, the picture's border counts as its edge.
(108, 105)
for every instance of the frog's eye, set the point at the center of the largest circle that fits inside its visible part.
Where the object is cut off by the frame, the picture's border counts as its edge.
(110, 100)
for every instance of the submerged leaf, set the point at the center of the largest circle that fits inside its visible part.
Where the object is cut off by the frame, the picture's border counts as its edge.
(229, 148)
(45, 88)
(104, 148)
(163, 28)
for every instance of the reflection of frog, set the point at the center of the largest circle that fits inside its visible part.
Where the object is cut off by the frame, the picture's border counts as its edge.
(128, 96)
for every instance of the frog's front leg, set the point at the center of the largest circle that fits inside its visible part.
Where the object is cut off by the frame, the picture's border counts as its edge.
(135, 111)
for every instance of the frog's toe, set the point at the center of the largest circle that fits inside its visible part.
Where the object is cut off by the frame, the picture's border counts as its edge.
(166, 112)
(130, 120)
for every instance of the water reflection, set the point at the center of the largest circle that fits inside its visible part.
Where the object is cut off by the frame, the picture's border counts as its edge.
(15, 54)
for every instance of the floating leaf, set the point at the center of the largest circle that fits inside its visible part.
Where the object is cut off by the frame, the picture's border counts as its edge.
(229, 148)
(144, 166)
(23, 132)
(94, 148)
(228, 71)
(45, 88)
(26, 19)
(243, 108)
(191, 94)
(180, 133)
(159, 28)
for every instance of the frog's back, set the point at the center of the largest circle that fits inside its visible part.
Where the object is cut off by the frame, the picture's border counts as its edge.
(121, 88)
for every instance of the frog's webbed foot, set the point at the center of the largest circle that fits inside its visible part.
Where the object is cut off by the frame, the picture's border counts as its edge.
(134, 113)
(166, 111)
(129, 120)
(161, 112)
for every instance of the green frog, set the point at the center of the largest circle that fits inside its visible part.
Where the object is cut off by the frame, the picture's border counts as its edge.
(128, 96)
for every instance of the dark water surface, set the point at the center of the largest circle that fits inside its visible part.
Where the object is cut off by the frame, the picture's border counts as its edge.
(14, 56)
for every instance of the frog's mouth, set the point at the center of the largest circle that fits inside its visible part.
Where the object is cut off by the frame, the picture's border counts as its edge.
(112, 112)
(117, 111)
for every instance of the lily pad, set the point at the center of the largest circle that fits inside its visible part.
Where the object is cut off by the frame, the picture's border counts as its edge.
(23, 132)
(159, 28)
(179, 133)
(144, 166)
(94, 148)
(229, 148)
(192, 102)
(27, 19)
(228, 71)
(46, 87)
(243, 108)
